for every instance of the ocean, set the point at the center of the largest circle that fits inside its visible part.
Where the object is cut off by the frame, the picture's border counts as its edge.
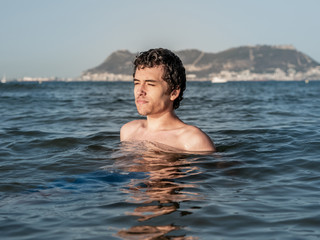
(65, 175)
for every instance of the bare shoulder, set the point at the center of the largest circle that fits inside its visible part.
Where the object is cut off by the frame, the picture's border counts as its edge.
(129, 129)
(197, 140)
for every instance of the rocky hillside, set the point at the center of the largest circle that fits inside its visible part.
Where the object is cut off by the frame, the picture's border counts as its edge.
(261, 60)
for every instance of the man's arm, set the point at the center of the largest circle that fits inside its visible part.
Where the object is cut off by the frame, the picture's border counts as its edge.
(127, 130)
(124, 132)
(198, 141)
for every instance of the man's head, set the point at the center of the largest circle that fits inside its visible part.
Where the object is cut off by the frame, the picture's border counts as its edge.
(174, 72)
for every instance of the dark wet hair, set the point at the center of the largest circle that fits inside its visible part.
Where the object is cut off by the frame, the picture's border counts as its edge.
(174, 72)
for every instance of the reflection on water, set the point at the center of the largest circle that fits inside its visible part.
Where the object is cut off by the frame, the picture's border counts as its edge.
(151, 232)
(161, 191)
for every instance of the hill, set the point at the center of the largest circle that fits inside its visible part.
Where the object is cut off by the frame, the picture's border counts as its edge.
(261, 62)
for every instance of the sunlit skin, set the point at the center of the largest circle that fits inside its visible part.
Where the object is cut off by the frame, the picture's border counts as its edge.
(155, 101)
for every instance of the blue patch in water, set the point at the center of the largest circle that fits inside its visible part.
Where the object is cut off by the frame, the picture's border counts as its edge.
(91, 181)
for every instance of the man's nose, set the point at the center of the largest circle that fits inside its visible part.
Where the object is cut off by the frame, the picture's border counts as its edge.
(142, 89)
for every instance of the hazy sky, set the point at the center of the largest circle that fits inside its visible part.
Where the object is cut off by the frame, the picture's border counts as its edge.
(65, 37)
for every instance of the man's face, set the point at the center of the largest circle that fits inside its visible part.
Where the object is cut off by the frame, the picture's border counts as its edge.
(151, 93)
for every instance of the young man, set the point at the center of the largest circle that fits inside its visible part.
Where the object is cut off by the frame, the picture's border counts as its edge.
(159, 82)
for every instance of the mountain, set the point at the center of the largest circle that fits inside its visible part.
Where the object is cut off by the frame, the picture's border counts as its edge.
(261, 62)
(119, 62)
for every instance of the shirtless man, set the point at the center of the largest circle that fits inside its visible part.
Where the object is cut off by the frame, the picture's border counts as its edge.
(159, 82)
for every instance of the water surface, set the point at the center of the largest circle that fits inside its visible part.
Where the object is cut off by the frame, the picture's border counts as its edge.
(65, 175)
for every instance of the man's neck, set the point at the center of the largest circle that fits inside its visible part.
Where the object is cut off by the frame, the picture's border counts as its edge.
(165, 121)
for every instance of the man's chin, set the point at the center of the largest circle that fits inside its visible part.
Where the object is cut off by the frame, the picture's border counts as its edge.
(142, 113)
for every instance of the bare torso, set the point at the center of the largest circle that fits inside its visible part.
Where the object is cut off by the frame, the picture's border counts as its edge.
(181, 136)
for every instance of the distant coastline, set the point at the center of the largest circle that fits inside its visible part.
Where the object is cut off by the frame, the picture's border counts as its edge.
(245, 63)
(252, 79)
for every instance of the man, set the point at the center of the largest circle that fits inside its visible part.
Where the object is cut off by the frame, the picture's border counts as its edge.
(159, 82)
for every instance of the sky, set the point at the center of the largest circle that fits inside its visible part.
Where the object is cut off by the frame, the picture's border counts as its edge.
(63, 38)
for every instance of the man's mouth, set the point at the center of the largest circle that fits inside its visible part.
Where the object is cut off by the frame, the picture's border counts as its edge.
(141, 101)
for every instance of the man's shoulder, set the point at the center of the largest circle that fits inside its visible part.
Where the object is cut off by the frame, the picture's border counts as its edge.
(128, 129)
(192, 130)
(197, 139)
(134, 123)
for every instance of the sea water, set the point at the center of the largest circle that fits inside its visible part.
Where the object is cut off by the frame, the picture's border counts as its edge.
(65, 175)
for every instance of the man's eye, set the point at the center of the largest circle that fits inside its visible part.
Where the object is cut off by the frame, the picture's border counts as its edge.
(150, 84)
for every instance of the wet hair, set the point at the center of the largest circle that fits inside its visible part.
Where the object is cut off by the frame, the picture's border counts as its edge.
(174, 72)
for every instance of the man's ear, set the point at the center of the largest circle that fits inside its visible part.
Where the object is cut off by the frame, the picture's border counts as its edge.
(174, 94)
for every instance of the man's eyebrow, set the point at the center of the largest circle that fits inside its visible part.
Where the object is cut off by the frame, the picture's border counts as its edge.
(148, 80)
